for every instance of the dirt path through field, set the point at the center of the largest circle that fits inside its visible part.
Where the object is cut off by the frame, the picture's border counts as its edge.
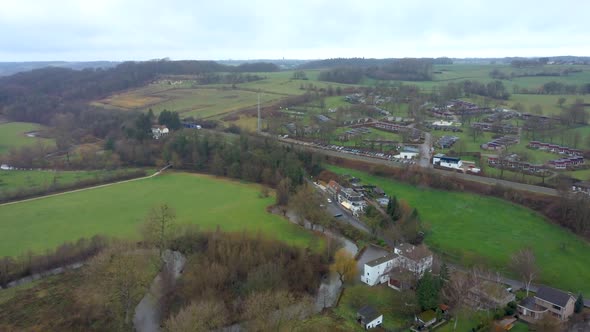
(84, 189)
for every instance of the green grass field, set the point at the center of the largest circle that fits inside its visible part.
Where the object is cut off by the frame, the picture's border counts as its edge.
(13, 135)
(475, 229)
(14, 180)
(118, 210)
(379, 297)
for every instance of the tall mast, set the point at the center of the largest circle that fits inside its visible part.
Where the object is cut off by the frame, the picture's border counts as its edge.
(258, 128)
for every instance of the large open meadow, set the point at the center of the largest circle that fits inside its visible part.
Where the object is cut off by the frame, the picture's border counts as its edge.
(15, 180)
(14, 135)
(118, 210)
(474, 229)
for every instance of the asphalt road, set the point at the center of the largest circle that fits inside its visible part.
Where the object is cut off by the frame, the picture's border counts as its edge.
(468, 177)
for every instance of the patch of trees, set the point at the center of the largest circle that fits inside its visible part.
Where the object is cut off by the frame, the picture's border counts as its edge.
(256, 67)
(231, 78)
(365, 63)
(403, 70)
(345, 75)
(344, 62)
(169, 119)
(248, 278)
(521, 63)
(14, 268)
(495, 89)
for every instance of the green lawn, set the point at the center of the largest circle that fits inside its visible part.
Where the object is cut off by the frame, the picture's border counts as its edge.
(475, 229)
(13, 135)
(15, 180)
(379, 297)
(119, 209)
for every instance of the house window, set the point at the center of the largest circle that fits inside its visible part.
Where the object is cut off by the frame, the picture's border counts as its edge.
(556, 307)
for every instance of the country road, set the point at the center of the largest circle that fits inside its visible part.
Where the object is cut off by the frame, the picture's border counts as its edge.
(467, 177)
(87, 188)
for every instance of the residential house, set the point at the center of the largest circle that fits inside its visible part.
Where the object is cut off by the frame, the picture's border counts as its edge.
(159, 131)
(581, 187)
(369, 318)
(549, 301)
(351, 200)
(377, 271)
(407, 261)
(488, 295)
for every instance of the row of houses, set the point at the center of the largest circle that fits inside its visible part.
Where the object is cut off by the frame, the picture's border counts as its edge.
(500, 143)
(554, 148)
(496, 128)
(565, 163)
(514, 163)
(446, 141)
(347, 197)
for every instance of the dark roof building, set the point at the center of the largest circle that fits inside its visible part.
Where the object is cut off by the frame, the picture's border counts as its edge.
(554, 296)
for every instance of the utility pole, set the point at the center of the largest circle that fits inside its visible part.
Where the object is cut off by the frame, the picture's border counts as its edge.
(258, 127)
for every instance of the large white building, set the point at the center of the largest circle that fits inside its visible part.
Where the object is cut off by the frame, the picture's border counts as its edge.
(448, 162)
(406, 257)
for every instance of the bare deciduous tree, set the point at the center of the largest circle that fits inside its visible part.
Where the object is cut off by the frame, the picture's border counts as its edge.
(159, 226)
(198, 316)
(523, 264)
(119, 277)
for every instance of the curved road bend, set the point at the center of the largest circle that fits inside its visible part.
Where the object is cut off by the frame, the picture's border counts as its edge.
(468, 177)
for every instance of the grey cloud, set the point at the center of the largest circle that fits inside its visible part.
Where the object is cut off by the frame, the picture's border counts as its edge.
(133, 29)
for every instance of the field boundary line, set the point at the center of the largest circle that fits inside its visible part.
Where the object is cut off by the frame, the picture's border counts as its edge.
(88, 188)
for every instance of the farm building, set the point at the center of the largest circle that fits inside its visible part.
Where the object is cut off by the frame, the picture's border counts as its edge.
(447, 162)
(547, 301)
(369, 318)
(159, 131)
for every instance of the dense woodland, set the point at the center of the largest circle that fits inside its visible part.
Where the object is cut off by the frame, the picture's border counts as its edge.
(260, 282)
(38, 95)
(247, 279)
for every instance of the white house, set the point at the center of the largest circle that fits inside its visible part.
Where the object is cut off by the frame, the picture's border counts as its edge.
(448, 162)
(408, 152)
(377, 270)
(369, 318)
(159, 131)
(351, 200)
(414, 259)
(442, 123)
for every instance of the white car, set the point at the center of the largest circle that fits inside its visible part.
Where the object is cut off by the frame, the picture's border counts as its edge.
(329, 200)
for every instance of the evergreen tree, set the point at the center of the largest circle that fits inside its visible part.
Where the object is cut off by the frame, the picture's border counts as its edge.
(579, 306)
(427, 292)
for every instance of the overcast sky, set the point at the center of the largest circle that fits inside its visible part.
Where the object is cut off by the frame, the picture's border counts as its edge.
(34, 30)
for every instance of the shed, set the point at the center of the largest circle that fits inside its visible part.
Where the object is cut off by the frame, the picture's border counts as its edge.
(369, 318)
